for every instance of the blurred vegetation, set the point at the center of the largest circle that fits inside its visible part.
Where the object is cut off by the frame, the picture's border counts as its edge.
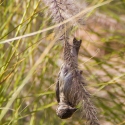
(27, 94)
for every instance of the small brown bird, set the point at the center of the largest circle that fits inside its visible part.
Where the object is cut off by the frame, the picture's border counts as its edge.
(70, 87)
(63, 87)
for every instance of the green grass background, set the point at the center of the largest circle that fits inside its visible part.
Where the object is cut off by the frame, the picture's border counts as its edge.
(29, 66)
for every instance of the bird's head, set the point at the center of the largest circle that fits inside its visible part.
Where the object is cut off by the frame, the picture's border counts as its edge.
(65, 111)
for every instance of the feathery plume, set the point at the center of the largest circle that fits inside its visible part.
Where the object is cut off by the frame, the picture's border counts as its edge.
(70, 87)
(64, 9)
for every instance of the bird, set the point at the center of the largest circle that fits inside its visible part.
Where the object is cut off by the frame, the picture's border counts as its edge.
(70, 86)
(67, 73)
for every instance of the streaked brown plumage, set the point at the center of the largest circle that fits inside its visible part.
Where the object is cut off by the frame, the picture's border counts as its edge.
(66, 105)
(70, 87)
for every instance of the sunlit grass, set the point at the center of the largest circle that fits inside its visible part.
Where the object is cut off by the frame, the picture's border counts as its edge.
(29, 63)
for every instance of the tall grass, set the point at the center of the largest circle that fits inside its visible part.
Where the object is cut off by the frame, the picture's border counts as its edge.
(29, 66)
